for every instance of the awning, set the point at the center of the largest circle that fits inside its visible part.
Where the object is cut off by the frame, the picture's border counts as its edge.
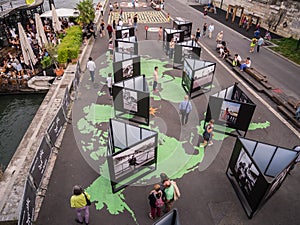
(62, 12)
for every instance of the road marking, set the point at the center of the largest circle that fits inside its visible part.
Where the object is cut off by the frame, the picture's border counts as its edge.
(143, 17)
(278, 115)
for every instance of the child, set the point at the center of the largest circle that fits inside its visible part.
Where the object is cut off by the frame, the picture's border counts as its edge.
(155, 201)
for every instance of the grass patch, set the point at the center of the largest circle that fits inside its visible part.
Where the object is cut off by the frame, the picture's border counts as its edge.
(288, 48)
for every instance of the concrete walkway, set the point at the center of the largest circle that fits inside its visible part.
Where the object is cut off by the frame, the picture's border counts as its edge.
(207, 195)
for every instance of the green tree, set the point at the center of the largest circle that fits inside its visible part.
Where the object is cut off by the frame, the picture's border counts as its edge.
(86, 12)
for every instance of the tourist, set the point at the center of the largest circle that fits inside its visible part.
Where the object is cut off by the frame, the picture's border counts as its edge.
(155, 79)
(260, 42)
(211, 28)
(205, 12)
(208, 134)
(252, 44)
(171, 194)
(110, 30)
(198, 34)
(160, 33)
(80, 200)
(135, 21)
(129, 20)
(102, 28)
(91, 66)
(245, 65)
(219, 38)
(120, 23)
(185, 107)
(155, 201)
(110, 8)
(204, 28)
(237, 60)
(171, 48)
(109, 85)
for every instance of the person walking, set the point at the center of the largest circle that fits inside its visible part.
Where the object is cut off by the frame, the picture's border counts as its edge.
(155, 201)
(211, 28)
(185, 107)
(80, 200)
(208, 134)
(109, 83)
(155, 79)
(160, 33)
(171, 48)
(110, 30)
(198, 34)
(260, 42)
(129, 20)
(297, 113)
(135, 21)
(204, 28)
(219, 38)
(91, 66)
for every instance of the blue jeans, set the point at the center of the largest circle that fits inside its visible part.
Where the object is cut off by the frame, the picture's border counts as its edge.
(298, 113)
(243, 66)
(92, 73)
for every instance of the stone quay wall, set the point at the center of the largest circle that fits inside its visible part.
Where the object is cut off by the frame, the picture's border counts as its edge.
(281, 16)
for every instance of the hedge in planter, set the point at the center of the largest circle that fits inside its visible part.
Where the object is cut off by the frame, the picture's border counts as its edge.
(70, 45)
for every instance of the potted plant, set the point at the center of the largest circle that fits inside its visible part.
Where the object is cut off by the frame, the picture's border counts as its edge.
(47, 65)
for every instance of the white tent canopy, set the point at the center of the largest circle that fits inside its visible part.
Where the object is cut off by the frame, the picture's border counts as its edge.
(62, 12)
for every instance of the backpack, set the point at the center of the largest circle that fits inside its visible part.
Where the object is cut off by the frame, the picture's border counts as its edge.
(159, 202)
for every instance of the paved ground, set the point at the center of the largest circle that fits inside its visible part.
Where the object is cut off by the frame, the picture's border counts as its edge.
(207, 195)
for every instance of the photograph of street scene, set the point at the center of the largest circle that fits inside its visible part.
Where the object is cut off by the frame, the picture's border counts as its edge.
(134, 158)
(125, 47)
(130, 100)
(127, 68)
(246, 171)
(203, 76)
(229, 112)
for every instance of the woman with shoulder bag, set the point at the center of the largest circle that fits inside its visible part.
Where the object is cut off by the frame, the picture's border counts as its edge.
(155, 201)
(208, 134)
(80, 200)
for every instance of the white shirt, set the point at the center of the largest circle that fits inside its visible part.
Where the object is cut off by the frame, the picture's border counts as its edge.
(109, 82)
(91, 66)
(211, 28)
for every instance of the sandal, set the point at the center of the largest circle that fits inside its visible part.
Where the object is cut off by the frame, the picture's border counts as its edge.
(151, 217)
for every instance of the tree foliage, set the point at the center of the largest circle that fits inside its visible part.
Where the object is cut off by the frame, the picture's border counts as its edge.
(87, 11)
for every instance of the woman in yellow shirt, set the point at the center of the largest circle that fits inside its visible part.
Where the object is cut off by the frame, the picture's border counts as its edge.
(80, 200)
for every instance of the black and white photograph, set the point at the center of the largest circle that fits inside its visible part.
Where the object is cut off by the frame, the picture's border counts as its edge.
(229, 112)
(187, 70)
(176, 37)
(243, 98)
(203, 76)
(126, 47)
(130, 100)
(125, 33)
(187, 51)
(246, 172)
(127, 68)
(133, 158)
(237, 95)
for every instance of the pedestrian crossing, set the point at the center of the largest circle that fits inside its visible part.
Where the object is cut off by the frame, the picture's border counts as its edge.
(143, 17)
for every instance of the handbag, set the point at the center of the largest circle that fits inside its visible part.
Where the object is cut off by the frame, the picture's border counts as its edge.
(88, 202)
(176, 191)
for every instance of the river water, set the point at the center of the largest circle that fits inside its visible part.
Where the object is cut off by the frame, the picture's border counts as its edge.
(16, 113)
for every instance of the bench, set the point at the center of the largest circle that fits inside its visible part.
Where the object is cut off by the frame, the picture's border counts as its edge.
(289, 115)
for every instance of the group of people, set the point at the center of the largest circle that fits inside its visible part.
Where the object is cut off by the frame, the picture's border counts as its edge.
(13, 70)
(163, 195)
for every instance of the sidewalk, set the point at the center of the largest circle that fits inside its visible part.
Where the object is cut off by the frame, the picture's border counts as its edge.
(207, 196)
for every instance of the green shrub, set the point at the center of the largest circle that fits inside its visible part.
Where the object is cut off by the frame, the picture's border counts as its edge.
(70, 45)
(46, 62)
